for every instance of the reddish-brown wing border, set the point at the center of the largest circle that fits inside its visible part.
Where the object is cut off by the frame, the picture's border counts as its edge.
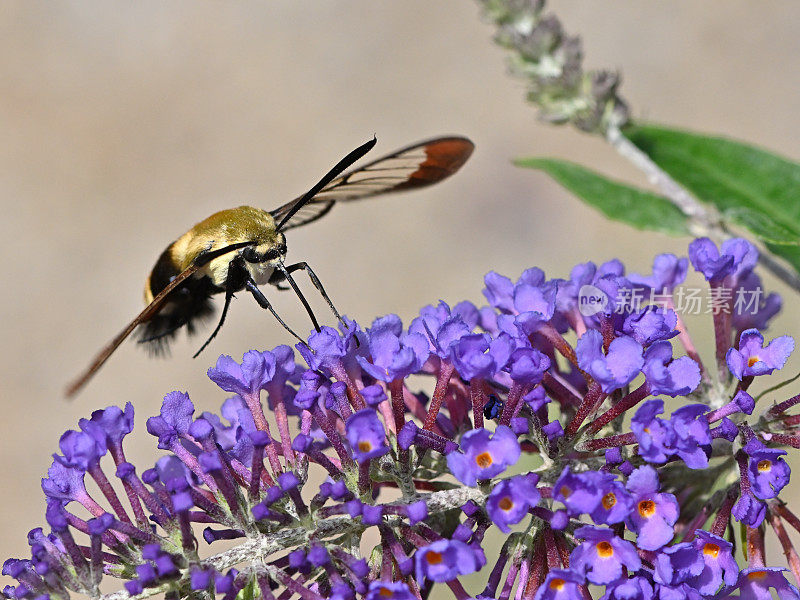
(415, 166)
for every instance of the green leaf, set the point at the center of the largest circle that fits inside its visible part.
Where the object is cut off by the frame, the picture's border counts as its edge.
(751, 187)
(616, 200)
(790, 253)
(762, 226)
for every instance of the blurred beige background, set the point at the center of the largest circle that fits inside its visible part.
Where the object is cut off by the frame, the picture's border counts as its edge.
(124, 123)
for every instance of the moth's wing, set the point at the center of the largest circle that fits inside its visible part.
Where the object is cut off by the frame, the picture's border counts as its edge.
(150, 310)
(309, 212)
(409, 168)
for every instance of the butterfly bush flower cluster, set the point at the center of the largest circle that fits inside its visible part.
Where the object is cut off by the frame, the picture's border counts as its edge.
(524, 449)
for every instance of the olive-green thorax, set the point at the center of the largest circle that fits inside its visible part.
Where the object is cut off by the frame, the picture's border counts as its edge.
(223, 228)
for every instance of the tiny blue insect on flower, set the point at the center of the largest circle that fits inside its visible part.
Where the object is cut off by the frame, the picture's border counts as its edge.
(493, 408)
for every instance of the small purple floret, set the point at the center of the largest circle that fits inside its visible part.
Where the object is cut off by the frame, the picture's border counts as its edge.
(614, 370)
(510, 500)
(602, 555)
(444, 561)
(654, 514)
(366, 435)
(484, 455)
(753, 358)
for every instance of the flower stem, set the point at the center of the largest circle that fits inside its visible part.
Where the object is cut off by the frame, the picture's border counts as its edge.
(445, 372)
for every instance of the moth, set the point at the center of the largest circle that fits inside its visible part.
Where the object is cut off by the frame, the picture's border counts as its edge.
(243, 248)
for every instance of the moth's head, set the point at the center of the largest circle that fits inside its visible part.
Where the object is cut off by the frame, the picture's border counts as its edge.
(267, 251)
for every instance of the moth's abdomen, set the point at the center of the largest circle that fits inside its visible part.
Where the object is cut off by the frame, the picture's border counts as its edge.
(188, 305)
(163, 272)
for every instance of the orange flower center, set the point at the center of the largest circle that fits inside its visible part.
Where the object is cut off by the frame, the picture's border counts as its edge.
(647, 508)
(604, 550)
(484, 460)
(609, 500)
(433, 558)
(565, 491)
(557, 584)
(365, 446)
(752, 360)
(711, 550)
(757, 575)
(764, 465)
(506, 503)
(385, 593)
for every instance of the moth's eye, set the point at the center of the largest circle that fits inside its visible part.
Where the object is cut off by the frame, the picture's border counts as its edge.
(249, 254)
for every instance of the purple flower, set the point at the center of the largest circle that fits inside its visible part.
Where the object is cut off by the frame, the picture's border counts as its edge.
(615, 503)
(553, 430)
(485, 455)
(230, 437)
(329, 349)
(651, 324)
(80, 450)
(417, 512)
(594, 493)
(664, 375)
(742, 402)
(735, 257)
(174, 420)
(394, 354)
(534, 301)
(55, 514)
(601, 556)
(527, 365)
(619, 293)
(373, 394)
(753, 358)
(441, 327)
(581, 493)
(64, 483)
(677, 564)
(613, 370)
(769, 473)
(444, 560)
(510, 500)
(581, 275)
(306, 399)
(318, 556)
(257, 371)
(655, 514)
(480, 355)
(637, 587)
(684, 434)
(561, 584)
(536, 398)
(719, 564)
(749, 509)
(200, 579)
(174, 475)
(669, 271)
(755, 583)
(366, 435)
(499, 291)
(389, 590)
(109, 426)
